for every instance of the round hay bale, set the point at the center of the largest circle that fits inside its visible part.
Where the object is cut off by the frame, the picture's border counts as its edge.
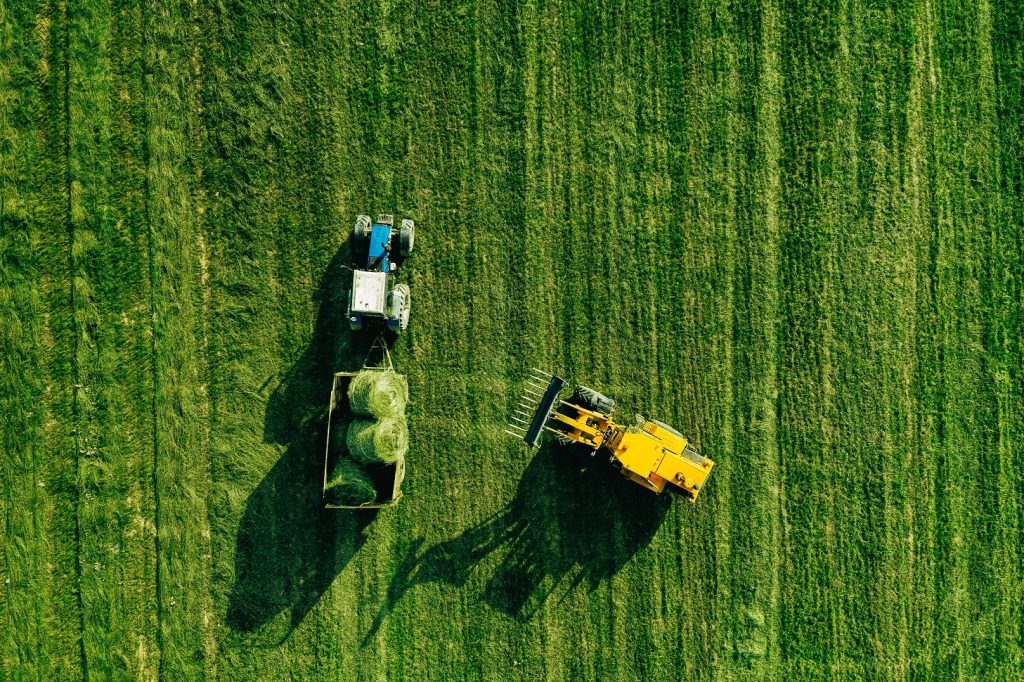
(349, 484)
(386, 440)
(378, 393)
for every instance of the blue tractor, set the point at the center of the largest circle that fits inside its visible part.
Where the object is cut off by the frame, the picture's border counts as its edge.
(374, 293)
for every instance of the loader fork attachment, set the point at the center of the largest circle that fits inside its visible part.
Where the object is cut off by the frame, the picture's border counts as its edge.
(534, 407)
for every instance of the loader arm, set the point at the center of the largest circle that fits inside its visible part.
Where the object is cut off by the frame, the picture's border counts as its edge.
(579, 424)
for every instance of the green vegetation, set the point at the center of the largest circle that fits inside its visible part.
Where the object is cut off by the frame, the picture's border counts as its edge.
(792, 230)
(378, 393)
(384, 440)
(349, 484)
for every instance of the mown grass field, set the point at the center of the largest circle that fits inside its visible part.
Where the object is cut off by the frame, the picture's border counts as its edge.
(792, 229)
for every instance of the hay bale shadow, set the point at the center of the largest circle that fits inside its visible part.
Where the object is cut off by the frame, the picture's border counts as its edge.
(289, 549)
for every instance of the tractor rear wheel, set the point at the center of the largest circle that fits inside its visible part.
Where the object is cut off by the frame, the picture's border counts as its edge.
(592, 400)
(407, 236)
(362, 229)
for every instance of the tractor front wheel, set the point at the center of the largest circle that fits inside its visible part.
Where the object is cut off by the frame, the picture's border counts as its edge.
(592, 400)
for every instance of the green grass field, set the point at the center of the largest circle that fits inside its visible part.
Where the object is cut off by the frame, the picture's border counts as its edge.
(791, 229)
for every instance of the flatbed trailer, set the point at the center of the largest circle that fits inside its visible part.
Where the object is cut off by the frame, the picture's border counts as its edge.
(387, 478)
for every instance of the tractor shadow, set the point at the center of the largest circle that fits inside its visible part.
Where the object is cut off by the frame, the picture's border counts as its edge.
(573, 521)
(289, 549)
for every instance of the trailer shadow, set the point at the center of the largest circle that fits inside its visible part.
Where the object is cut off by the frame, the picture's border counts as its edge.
(289, 549)
(574, 521)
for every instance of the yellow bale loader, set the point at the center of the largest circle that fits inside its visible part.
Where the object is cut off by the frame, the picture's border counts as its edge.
(652, 454)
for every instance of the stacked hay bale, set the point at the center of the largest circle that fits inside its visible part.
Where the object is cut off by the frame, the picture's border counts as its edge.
(379, 434)
(378, 393)
(378, 440)
(349, 484)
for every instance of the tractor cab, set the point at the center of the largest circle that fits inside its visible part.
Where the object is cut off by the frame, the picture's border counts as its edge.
(375, 293)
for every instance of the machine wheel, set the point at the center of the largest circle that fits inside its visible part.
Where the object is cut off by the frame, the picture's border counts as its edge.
(592, 400)
(404, 324)
(362, 229)
(398, 308)
(407, 236)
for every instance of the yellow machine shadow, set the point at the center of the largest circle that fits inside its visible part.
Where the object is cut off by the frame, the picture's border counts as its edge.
(549, 536)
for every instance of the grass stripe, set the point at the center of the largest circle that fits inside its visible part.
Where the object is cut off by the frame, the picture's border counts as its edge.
(878, 273)
(757, 531)
(181, 459)
(1007, 22)
(1000, 630)
(920, 104)
(110, 270)
(40, 614)
(808, 380)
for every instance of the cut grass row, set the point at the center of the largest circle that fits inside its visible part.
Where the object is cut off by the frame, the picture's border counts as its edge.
(113, 387)
(756, 531)
(39, 625)
(180, 348)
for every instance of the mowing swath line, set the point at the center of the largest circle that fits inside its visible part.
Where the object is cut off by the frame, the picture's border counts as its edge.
(1001, 498)
(808, 380)
(660, 221)
(87, 436)
(611, 134)
(765, 486)
(878, 270)
(921, 502)
(717, 433)
(681, 325)
(113, 423)
(547, 95)
(36, 583)
(181, 466)
(724, 100)
(65, 612)
(866, 353)
(854, 562)
(75, 370)
(1007, 249)
(560, 160)
(26, 647)
(323, 69)
(964, 575)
